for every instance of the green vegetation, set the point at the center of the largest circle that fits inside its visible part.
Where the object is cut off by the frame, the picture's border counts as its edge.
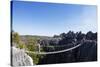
(36, 57)
(21, 45)
(15, 37)
(29, 44)
(32, 46)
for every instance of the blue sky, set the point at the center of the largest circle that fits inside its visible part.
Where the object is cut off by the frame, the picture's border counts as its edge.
(38, 18)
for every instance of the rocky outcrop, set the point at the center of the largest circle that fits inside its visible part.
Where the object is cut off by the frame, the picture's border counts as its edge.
(84, 53)
(88, 51)
(20, 58)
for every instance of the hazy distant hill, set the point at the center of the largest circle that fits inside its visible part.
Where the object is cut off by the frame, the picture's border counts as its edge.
(35, 36)
(24, 38)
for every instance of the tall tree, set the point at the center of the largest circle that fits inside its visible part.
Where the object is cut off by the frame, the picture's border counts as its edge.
(15, 37)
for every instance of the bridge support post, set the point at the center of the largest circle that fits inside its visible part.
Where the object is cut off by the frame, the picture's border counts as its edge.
(39, 48)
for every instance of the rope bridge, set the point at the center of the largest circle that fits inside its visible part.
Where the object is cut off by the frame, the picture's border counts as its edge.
(54, 52)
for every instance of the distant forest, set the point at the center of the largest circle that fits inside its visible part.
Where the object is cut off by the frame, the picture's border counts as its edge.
(86, 52)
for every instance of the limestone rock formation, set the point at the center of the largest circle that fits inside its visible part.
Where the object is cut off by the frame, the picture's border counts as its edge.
(20, 58)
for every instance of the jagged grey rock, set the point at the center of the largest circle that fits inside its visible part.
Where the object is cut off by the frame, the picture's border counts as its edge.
(88, 51)
(20, 58)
